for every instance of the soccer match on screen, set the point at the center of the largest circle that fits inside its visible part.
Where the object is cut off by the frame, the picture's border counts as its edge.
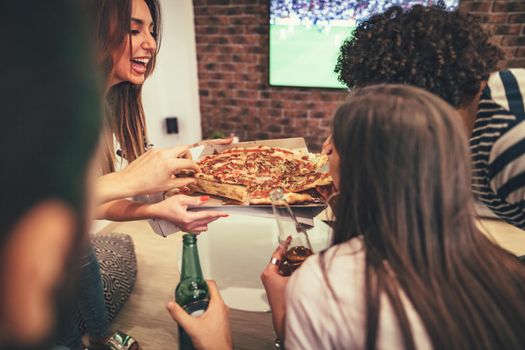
(305, 36)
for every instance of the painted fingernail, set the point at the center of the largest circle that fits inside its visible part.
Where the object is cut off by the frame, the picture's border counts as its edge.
(204, 198)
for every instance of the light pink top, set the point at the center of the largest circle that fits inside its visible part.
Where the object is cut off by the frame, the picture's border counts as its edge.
(314, 320)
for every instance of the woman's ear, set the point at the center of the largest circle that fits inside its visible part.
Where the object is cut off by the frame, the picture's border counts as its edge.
(31, 265)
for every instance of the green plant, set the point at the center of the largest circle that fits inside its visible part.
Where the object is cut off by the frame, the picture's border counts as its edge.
(217, 135)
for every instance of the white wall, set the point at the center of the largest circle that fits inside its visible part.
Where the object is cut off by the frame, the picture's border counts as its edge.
(173, 89)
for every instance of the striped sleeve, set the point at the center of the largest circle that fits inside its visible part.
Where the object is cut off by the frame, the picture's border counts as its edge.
(497, 144)
(508, 89)
(507, 154)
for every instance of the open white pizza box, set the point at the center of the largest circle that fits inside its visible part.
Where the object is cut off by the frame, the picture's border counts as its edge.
(304, 212)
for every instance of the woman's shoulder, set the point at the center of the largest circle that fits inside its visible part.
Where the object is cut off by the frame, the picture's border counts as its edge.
(324, 295)
(342, 253)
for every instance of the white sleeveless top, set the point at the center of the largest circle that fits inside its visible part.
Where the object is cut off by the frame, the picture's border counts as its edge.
(314, 320)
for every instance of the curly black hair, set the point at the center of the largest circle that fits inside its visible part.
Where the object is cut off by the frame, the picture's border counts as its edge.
(445, 52)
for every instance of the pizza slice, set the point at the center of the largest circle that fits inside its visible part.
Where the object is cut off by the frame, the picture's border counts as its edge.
(303, 182)
(319, 159)
(208, 184)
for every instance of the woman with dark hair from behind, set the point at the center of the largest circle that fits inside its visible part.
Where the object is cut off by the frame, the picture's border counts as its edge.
(408, 267)
(50, 127)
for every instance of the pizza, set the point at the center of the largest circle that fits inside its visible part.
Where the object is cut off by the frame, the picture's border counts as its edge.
(248, 175)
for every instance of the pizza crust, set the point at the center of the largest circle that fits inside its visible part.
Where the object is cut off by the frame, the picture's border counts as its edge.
(236, 192)
(290, 198)
(204, 177)
(297, 198)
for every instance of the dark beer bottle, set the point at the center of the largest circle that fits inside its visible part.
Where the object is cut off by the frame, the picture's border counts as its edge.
(192, 291)
(292, 235)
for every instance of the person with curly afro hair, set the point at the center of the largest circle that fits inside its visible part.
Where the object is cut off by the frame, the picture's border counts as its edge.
(446, 53)
(449, 54)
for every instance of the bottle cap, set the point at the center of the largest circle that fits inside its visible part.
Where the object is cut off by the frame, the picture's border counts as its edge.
(189, 238)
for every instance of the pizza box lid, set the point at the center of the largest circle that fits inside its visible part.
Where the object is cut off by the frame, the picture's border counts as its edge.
(302, 211)
(294, 143)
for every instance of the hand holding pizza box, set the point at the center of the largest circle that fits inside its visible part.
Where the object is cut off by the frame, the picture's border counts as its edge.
(172, 215)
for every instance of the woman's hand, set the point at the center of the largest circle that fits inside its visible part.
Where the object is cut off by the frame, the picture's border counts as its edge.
(327, 146)
(211, 330)
(275, 286)
(175, 210)
(150, 173)
(154, 170)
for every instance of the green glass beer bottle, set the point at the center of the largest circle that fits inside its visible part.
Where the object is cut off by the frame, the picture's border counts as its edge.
(192, 291)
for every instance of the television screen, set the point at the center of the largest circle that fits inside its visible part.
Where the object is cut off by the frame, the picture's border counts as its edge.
(305, 36)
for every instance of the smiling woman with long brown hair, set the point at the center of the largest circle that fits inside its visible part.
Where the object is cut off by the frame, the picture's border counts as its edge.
(127, 56)
(127, 34)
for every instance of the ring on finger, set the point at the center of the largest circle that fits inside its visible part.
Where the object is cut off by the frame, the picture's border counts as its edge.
(275, 261)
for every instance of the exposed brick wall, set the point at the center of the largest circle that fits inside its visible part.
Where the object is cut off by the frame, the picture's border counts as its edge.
(232, 54)
(506, 21)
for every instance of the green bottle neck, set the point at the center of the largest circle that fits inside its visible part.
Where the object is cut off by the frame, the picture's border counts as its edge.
(191, 266)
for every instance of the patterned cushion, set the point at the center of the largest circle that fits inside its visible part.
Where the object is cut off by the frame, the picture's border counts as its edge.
(118, 266)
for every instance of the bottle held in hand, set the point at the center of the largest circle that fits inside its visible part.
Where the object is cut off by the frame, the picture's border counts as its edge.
(292, 235)
(192, 292)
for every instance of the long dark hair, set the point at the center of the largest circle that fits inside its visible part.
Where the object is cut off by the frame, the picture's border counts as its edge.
(51, 110)
(405, 167)
(124, 111)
